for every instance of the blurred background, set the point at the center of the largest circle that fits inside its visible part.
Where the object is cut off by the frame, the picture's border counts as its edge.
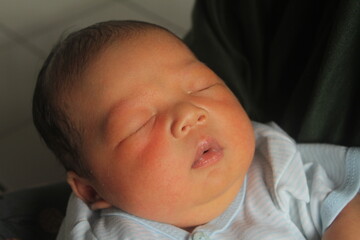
(28, 30)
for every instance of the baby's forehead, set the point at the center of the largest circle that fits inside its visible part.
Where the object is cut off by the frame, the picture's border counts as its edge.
(149, 41)
(135, 54)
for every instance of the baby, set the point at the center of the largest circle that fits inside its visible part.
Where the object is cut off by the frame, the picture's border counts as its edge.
(157, 147)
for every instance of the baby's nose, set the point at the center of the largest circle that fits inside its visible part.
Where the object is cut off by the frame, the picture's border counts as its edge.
(187, 116)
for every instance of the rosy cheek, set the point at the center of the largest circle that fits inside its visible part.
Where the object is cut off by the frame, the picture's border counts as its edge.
(156, 146)
(163, 166)
(145, 156)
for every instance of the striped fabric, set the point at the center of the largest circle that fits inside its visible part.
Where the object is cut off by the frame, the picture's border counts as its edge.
(291, 192)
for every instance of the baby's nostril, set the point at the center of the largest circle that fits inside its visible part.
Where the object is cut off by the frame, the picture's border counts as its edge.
(183, 128)
(201, 118)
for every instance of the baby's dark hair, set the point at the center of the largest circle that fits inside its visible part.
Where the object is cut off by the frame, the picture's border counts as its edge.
(65, 66)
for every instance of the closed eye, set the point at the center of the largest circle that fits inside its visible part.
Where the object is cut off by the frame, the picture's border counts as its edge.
(137, 129)
(143, 125)
(207, 87)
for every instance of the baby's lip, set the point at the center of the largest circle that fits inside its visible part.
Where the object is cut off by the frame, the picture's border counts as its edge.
(208, 153)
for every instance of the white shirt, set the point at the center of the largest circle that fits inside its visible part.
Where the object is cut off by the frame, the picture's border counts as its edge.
(291, 192)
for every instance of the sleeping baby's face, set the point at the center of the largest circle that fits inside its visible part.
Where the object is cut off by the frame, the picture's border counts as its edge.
(165, 139)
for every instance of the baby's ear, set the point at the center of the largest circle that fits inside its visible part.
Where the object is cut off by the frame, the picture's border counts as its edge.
(84, 190)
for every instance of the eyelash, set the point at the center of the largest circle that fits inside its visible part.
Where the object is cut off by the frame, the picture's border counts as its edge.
(139, 128)
(203, 89)
(133, 132)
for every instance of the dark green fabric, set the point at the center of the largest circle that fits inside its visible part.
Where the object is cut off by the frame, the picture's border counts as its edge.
(295, 62)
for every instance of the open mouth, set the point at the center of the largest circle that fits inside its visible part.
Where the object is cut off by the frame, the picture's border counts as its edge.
(208, 153)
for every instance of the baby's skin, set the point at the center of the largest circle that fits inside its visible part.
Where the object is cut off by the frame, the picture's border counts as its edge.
(165, 139)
